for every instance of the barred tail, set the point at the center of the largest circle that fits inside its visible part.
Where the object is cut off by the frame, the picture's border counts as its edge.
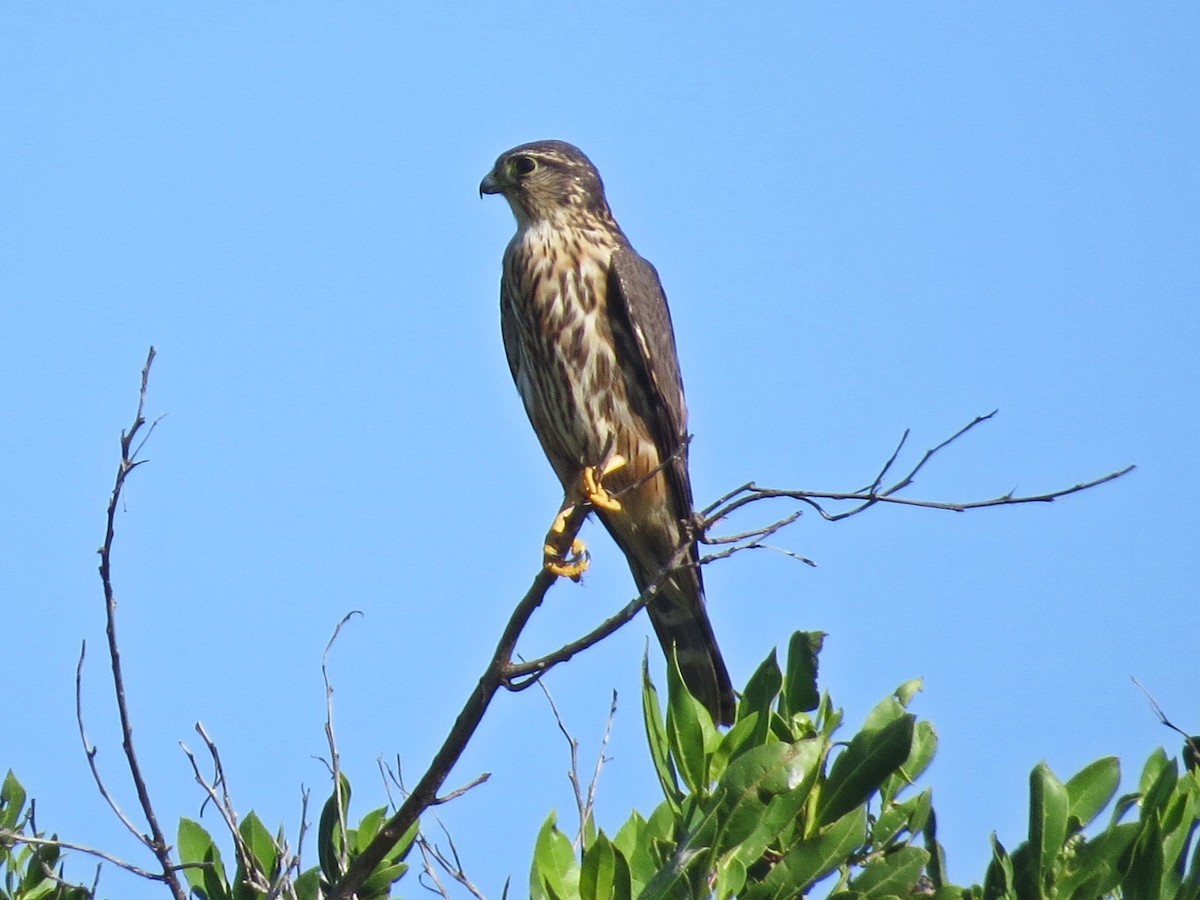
(682, 626)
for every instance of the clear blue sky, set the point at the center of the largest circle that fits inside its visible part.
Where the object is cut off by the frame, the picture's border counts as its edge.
(867, 218)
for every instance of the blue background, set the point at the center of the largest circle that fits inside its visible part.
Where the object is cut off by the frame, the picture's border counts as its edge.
(867, 217)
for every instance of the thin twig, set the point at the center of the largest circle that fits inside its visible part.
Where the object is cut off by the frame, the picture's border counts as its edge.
(430, 852)
(878, 480)
(601, 759)
(156, 841)
(458, 792)
(15, 837)
(503, 672)
(427, 861)
(90, 751)
(335, 763)
(247, 861)
(494, 675)
(1191, 741)
(454, 868)
(581, 805)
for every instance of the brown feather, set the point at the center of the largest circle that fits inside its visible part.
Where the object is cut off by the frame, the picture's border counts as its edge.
(589, 341)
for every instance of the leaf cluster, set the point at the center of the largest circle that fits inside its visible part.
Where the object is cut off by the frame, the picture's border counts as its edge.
(31, 871)
(262, 869)
(767, 809)
(777, 805)
(1148, 850)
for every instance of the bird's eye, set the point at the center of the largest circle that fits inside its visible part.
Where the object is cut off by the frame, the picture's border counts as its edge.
(524, 165)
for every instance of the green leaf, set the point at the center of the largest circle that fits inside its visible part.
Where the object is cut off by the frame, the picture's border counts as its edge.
(330, 839)
(889, 709)
(308, 885)
(400, 850)
(924, 748)
(829, 719)
(1155, 763)
(1090, 790)
(195, 845)
(763, 791)
(368, 827)
(909, 816)
(622, 877)
(1124, 803)
(1097, 864)
(555, 872)
(814, 858)
(862, 767)
(1161, 787)
(800, 691)
(734, 741)
(731, 878)
(661, 826)
(1144, 876)
(937, 855)
(656, 737)
(1179, 820)
(633, 842)
(690, 730)
(262, 845)
(908, 690)
(671, 881)
(12, 801)
(761, 690)
(999, 881)
(379, 883)
(598, 872)
(893, 875)
(1048, 803)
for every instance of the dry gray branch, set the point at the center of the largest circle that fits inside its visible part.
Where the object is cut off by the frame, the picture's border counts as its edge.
(503, 672)
(156, 841)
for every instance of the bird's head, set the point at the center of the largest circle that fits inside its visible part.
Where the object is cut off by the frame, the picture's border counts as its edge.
(548, 181)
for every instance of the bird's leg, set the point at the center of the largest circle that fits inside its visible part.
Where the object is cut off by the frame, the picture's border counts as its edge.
(594, 492)
(566, 565)
(574, 563)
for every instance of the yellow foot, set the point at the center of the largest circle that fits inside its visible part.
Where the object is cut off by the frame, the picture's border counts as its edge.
(594, 492)
(572, 566)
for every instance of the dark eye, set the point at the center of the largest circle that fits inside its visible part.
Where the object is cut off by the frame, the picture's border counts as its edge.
(524, 165)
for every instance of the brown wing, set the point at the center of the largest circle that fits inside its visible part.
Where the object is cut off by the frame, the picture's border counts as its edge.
(636, 294)
(646, 348)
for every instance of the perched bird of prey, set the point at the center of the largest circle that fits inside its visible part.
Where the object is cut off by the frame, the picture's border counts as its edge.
(590, 345)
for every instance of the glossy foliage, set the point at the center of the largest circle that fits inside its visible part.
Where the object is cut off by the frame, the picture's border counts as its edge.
(780, 805)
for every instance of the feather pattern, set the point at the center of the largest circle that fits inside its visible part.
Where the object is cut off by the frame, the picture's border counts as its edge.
(591, 348)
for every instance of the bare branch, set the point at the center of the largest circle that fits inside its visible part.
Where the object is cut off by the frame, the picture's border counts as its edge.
(156, 841)
(458, 792)
(335, 763)
(1191, 741)
(496, 673)
(864, 499)
(581, 804)
(601, 759)
(16, 837)
(503, 672)
(224, 803)
(90, 751)
(453, 868)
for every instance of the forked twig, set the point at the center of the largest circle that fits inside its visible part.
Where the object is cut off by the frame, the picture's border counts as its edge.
(1191, 742)
(14, 837)
(335, 759)
(585, 800)
(156, 841)
(503, 672)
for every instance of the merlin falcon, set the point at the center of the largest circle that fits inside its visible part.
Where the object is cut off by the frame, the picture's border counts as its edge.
(589, 341)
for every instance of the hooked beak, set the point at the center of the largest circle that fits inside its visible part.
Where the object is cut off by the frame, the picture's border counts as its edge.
(489, 185)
